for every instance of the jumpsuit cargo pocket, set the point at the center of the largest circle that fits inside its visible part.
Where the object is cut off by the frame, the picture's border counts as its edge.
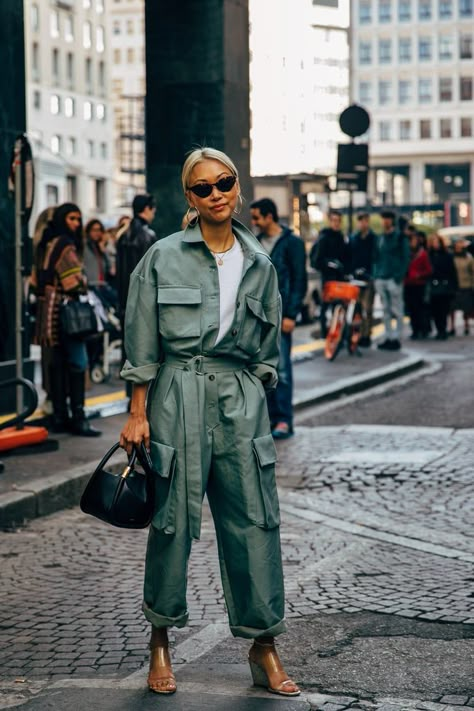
(266, 511)
(253, 322)
(179, 312)
(164, 465)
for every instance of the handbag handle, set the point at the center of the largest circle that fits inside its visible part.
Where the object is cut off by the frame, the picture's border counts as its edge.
(131, 459)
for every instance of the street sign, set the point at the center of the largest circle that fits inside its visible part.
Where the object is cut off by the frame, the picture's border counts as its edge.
(354, 121)
(352, 166)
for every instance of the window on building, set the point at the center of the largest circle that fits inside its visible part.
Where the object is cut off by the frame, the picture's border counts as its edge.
(116, 29)
(69, 28)
(34, 17)
(445, 128)
(101, 75)
(466, 8)
(424, 91)
(385, 11)
(88, 74)
(384, 130)
(36, 99)
(425, 128)
(117, 86)
(100, 39)
(404, 49)
(424, 9)
(87, 111)
(465, 88)
(99, 194)
(445, 9)
(71, 146)
(446, 47)
(87, 35)
(365, 13)
(385, 92)
(87, 4)
(117, 56)
(71, 188)
(130, 55)
(465, 47)
(466, 127)
(52, 195)
(55, 66)
(425, 48)
(54, 23)
(445, 89)
(129, 27)
(100, 112)
(103, 151)
(365, 92)
(90, 149)
(99, 7)
(405, 130)
(35, 62)
(70, 69)
(404, 10)
(365, 53)
(385, 51)
(56, 144)
(69, 107)
(55, 104)
(404, 91)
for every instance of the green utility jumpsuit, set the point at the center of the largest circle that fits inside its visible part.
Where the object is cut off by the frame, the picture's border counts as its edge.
(209, 425)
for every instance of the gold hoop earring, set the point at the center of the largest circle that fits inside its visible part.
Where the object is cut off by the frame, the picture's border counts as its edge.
(241, 204)
(192, 221)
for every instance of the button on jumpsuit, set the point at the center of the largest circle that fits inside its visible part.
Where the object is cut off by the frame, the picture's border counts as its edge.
(209, 426)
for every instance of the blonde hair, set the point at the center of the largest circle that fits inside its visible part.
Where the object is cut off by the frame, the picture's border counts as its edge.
(205, 153)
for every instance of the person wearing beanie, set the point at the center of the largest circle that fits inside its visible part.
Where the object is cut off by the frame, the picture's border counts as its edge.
(59, 274)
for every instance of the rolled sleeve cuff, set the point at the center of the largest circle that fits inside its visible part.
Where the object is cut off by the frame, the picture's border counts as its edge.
(266, 374)
(140, 373)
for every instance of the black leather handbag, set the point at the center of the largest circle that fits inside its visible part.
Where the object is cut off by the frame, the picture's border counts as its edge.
(124, 499)
(77, 319)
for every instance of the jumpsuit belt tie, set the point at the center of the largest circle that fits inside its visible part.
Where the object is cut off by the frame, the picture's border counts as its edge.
(193, 397)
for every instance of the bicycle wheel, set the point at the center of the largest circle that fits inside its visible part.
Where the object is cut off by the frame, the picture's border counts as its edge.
(354, 330)
(335, 336)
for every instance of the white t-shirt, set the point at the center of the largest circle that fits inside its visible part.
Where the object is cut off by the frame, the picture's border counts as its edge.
(230, 275)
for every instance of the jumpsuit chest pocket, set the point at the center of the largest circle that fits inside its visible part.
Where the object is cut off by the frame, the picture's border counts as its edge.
(163, 458)
(254, 321)
(179, 311)
(266, 512)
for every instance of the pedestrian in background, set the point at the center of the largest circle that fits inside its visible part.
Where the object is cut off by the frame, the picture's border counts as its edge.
(96, 263)
(464, 296)
(419, 271)
(59, 274)
(288, 255)
(330, 255)
(132, 245)
(442, 285)
(362, 251)
(202, 329)
(392, 256)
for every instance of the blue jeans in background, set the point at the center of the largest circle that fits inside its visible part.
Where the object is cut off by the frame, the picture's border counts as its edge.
(280, 401)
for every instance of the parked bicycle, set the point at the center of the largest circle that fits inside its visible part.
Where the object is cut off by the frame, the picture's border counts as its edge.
(346, 319)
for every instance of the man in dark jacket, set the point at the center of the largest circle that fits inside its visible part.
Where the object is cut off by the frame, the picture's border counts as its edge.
(330, 255)
(363, 245)
(131, 246)
(288, 255)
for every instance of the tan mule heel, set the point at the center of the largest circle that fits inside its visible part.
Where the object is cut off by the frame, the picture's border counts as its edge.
(267, 670)
(161, 678)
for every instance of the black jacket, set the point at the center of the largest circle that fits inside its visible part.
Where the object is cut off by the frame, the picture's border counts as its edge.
(330, 247)
(363, 252)
(131, 247)
(444, 269)
(289, 259)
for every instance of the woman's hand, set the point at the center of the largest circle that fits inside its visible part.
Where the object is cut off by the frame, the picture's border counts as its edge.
(135, 431)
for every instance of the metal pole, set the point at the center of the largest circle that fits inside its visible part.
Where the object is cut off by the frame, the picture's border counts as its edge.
(19, 281)
(349, 214)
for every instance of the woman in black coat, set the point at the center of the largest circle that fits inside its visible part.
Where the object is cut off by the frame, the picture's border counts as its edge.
(442, 285)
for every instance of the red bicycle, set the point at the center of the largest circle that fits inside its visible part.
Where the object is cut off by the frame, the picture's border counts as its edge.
(346, 320)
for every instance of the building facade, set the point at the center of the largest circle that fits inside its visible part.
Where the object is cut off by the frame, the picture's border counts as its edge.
(127, 33)
(413, 69)
(69, 120)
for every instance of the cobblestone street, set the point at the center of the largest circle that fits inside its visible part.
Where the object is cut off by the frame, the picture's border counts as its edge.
(375, 520)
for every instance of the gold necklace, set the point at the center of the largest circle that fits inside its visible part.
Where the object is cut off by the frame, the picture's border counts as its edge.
(219, 256)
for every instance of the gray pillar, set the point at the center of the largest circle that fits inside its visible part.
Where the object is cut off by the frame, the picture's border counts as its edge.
(197, 69)
(12, 123)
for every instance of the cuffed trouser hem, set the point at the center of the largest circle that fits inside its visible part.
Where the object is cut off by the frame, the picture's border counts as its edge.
(162, 621)
(252, 632)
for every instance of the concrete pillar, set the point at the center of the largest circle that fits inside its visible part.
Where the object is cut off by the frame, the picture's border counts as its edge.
(417, 176)
(12, 123)
(197, 92)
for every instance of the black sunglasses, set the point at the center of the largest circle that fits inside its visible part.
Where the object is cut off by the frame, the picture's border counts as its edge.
(224, 185)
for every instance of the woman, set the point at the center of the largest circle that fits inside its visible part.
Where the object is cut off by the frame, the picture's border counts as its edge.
(442, 285)
(202, 324)
(96, 264)
(419, 269)
(59, 274)
(464, 297)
